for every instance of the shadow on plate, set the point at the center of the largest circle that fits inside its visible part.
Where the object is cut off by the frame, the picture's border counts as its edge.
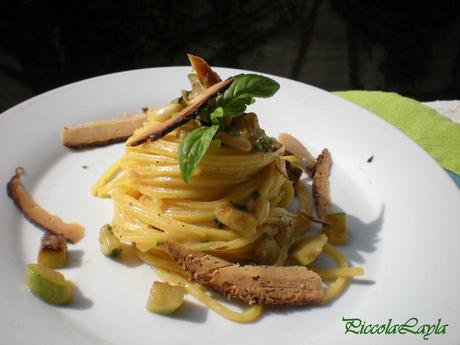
(363, 237)
(191, 312)
(74, 258)
(128, 256)
(79, 301)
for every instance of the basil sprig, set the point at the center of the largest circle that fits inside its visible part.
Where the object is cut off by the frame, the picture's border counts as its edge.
(243, 90)
(193, 148)
(232, 103)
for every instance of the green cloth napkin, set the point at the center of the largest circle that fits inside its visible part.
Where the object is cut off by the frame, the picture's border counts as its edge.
(438, 135)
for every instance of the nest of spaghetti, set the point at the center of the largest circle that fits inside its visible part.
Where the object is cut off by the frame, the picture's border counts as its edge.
(213, 203)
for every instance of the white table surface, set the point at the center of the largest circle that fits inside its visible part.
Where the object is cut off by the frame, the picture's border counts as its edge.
(450, 109)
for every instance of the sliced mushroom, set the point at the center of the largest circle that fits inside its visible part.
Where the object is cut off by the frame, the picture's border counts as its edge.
(294, 146)
(206, 75)
(159, 130)
(320, 184)
(100, 133)
(292, 285)
(73, 232)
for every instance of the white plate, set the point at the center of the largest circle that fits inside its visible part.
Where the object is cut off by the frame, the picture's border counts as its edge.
(404, 220)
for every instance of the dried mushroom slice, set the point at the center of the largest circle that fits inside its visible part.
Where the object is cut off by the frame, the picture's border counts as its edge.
(294, 146)
(206, 75)
(73, 232)
(160, 130)
(99, 133)
(321, 194)
(292, 285)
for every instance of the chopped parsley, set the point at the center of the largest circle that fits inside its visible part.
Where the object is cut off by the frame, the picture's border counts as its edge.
(218, 224)
(115, 251)
(262, 143)
(240, 207)
(269, 236)
(159, 243)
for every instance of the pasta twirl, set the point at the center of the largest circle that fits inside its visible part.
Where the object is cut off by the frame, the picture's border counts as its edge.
(236, 200)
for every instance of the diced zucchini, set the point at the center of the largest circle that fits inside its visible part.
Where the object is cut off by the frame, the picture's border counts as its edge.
(48, 284)
(164, 298)
(267, 250)
(337, 231)
(110, 244)
(309, 249)
(53, 251)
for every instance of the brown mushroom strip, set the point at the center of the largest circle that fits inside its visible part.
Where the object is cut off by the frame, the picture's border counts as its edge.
(320, 184)
(295, 147)
(157, 131)
(100, 133)
(73, 232)
(292, 285)
(206, 75)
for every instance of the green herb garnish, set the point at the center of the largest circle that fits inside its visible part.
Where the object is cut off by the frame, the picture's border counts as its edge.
(216, 116)
(193, 148)
(115, 252)
(269, 236)
(232, 103)
(243, 90)
(255, 195)
(159, 243)
(218, 224)
(262, 143)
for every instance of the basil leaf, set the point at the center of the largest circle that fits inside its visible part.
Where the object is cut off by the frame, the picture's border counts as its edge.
(193, 148)
(216, 115)
(243, 90)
